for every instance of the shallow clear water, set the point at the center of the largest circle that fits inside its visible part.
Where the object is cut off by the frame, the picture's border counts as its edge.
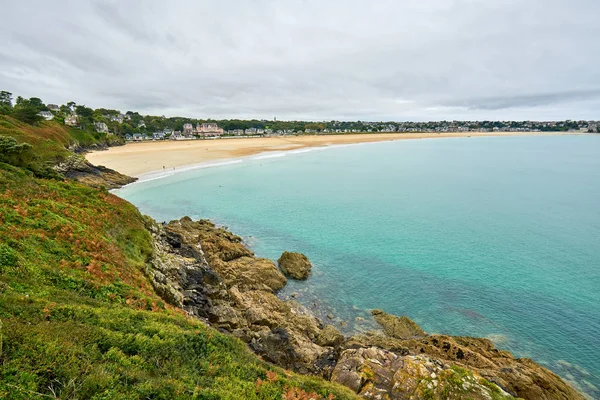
(491, 237)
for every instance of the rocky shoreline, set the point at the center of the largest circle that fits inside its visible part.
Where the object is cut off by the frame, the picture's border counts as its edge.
(77, 168)
(209, 272)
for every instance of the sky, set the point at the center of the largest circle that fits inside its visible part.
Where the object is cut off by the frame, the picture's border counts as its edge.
(377, 60)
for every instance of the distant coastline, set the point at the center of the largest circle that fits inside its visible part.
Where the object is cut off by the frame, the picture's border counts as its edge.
(148, 158)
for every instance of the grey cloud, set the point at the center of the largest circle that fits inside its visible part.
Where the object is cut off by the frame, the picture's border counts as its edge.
(534, 100)
(352, 59)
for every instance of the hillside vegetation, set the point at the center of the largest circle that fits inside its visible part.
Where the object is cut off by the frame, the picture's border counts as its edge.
(78, 317)
(46, 144)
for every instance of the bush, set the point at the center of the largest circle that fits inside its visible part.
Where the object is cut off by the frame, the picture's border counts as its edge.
(8, 257)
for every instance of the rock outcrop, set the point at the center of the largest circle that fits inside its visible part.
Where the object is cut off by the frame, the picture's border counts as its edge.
(294, 265)
(379, 374)
(208, 272)
(398, 327)
(79, 169)
(211, 274)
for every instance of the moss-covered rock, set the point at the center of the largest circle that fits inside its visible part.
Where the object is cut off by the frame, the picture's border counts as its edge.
(294, 265)
(330, 336)
(398, 327)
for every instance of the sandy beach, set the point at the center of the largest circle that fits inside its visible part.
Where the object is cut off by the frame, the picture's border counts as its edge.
(136, 159)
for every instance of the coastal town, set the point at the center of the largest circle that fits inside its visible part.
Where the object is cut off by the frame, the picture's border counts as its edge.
(134, 127)
(211, 130)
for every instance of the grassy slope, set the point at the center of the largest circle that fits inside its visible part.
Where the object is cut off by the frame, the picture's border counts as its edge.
(49, 138)
(50, 141)
(79, 318)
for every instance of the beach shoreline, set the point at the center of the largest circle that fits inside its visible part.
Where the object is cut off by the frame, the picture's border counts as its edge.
(150, 160)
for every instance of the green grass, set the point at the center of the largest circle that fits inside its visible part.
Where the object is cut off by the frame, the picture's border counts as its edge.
(79, 319)
(50, 142)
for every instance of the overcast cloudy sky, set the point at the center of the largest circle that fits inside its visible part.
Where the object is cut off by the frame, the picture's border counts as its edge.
(309, 59)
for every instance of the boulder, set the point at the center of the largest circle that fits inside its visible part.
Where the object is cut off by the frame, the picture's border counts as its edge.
(294, 265)
(330, 336)
(398, 327)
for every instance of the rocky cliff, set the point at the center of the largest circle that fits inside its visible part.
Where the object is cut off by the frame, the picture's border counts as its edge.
(211, 274)
(77, 168)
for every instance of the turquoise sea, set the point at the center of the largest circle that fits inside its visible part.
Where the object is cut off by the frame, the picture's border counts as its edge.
(496, 237)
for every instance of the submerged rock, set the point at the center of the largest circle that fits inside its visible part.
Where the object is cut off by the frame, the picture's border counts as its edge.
(294, 265)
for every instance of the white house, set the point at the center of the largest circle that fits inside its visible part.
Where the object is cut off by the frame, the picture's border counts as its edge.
(101, 127)
(46, 114)
(71, 120)
(117, 118)
(177, 136)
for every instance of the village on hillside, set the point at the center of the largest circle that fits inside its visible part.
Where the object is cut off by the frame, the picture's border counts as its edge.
(134, 127)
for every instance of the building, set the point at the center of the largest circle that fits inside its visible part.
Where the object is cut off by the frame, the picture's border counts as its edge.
(117, 118)
(138, 137)
(177, 135)
(46, 114)
(53, 107)
(158, 136)
(209, 129)
(250, 131)
(128, 137)
(188, 129)
(71, 120)
(141, 124)
(101, 127)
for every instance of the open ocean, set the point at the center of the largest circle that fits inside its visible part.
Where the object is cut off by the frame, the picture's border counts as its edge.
(494, 237)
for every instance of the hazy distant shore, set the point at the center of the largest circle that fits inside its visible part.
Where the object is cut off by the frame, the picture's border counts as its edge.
(136, 159)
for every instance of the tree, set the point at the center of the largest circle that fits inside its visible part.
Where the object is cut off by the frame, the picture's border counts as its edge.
(11, 151)
(85, 114)
(37, 103)
(24, 112)
(6, 99)
(5, 102)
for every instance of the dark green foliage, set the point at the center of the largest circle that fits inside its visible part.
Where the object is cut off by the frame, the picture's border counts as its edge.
(86, 115)
(6, 99)
(8, 257)
(26, 113)
(5, 102)
(11, 150)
